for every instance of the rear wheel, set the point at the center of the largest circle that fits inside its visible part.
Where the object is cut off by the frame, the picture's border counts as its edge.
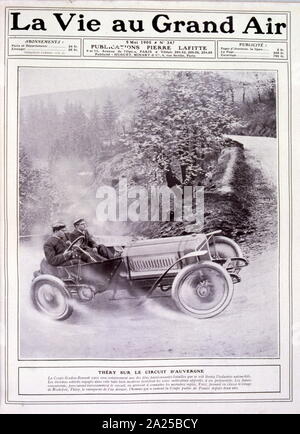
(50, 297)
(223, 248)
(202, 290)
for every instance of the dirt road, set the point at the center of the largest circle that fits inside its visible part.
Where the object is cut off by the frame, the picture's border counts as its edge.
(261, 152)
(106, 329)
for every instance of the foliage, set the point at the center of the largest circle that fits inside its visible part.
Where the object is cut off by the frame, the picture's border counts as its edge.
(165, 127)
(36, 196)
(180, 120)
(254, 97)
(110, 115)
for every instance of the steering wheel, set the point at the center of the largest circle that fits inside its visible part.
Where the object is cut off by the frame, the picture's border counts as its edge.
(73, 244)
(81, 237)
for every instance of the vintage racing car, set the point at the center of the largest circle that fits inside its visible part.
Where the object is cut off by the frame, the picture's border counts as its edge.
(199, 271)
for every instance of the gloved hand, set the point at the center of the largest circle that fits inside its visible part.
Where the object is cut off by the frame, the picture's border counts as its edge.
(68, 255)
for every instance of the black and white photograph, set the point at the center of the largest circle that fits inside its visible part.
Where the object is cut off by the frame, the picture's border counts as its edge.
(148, 213)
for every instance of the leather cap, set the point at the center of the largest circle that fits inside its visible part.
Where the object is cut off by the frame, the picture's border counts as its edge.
(78, 221)
(58, 225)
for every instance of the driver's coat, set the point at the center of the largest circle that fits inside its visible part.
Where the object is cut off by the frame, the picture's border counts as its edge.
(54, 249)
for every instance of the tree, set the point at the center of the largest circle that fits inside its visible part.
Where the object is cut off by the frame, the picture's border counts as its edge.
(36, 195)
(110, 115)
(95, 134)
(181, 118)
(255, 102)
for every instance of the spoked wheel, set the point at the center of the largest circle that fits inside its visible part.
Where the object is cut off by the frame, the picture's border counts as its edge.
(202, 290)
(50, 296)
(223, 248)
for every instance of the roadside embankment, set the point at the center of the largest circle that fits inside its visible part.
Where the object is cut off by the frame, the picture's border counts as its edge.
(241, 200)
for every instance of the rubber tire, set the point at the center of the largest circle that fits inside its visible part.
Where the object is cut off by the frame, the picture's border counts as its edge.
(54, 282)
(182, 275)
(226, 248)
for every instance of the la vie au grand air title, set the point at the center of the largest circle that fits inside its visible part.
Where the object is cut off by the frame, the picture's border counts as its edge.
(160, 23)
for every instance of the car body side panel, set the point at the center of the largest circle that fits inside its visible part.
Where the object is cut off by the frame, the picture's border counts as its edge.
(150, 258)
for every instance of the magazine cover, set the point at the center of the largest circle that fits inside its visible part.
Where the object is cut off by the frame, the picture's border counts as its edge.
(147, 206)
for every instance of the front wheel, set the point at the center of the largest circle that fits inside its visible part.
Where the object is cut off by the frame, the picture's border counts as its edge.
(202, 290)
(50, 297)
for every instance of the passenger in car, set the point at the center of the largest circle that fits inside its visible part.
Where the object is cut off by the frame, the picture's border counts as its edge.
(99, 252)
